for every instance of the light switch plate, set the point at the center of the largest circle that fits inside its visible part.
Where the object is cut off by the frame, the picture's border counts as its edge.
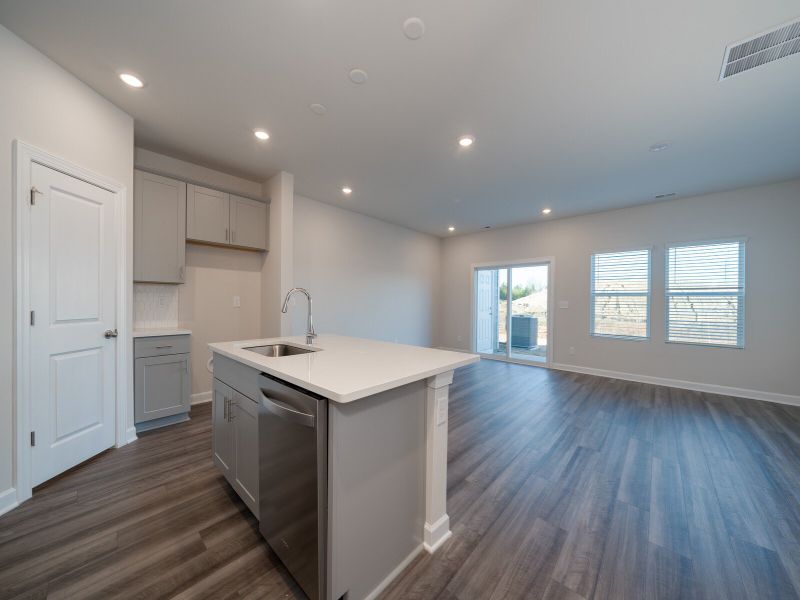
(563, 304)
(237, 302)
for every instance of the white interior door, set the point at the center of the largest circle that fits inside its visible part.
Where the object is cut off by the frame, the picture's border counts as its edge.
(484, 308)
(72, 296)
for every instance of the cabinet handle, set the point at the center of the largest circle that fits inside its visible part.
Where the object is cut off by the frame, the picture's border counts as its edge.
(180, 273)
(225, 409)
(230, 410)
(226, 234)
(233, 236)
(162, 347)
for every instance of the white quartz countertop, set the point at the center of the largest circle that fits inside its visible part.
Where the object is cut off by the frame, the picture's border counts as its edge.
(157, 331)
(345, 369)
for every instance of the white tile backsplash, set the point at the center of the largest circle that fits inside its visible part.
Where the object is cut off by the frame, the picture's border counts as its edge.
(155, 305)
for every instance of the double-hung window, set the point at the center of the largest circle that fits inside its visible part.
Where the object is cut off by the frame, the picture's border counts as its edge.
(620, 294)
(705, 293)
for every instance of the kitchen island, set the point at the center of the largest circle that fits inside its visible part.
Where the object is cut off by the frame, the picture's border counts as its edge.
(340, 450)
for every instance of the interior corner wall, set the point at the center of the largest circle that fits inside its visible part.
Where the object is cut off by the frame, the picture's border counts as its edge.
(276, 273)
(43, 105)
(768, 216)
(369, 278)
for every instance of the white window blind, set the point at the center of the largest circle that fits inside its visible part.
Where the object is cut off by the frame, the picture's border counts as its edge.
(705, 294)
(620, 291)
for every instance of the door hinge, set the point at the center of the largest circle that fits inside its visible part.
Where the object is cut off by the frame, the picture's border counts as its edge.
(33, 317)
(34, 191)
(33, 438)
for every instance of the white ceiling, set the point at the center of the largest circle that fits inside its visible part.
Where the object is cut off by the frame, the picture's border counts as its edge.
(563, 98)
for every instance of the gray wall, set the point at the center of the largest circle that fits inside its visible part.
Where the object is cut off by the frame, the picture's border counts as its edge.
(43, 105)
(769, 216)
(369, 278)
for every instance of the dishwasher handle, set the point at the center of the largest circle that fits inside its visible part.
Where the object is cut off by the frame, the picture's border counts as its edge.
(286, 412)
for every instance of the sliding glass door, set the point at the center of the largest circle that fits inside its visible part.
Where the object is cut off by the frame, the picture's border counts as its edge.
(512, 311)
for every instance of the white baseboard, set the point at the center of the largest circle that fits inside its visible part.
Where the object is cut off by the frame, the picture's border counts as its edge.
(395, 572)
(8, 500)
(130, 435)
(201, 397)
(710, 388)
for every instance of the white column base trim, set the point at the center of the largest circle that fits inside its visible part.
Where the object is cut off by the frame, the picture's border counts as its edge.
(436, 534)
(201, 397)
(710, 388)
(8, 500)
(395, 572)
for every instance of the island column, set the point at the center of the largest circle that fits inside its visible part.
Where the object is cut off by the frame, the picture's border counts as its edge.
(437, 522)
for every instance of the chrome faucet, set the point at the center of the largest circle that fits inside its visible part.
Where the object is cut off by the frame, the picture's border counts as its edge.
(310, 335)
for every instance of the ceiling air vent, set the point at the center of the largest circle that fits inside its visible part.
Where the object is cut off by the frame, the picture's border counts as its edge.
(777, 43)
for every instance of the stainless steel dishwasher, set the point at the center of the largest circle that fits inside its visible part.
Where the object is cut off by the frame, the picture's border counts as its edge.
(293, 480)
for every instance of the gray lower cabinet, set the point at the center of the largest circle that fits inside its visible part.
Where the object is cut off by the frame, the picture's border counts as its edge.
(162, 382)
(235, 441)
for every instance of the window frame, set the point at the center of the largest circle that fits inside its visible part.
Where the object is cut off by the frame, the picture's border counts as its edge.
(740, 345)
(592, 295)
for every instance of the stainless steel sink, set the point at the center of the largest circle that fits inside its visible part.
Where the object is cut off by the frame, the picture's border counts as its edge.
(278, 350)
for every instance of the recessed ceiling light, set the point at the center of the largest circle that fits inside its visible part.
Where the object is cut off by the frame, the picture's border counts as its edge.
(261, 134)
(547, 211)
(451, 228)
(465, 141)
(318, 109)
(414, 28)
(358, 76)
(131, 80)
(660, 147)
(347, 190)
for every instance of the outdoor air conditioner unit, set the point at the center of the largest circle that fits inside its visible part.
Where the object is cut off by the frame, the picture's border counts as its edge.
(524, 331)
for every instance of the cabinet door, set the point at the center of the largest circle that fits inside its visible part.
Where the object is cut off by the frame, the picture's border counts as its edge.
(248, 223)
(207, 215)
(161, 386)
(245, 426)
(159, 228)
(222, 429)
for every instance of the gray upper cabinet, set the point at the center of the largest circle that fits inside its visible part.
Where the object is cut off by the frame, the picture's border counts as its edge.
(159, 229)
(248, 223)
(207, 215)
(222, 219)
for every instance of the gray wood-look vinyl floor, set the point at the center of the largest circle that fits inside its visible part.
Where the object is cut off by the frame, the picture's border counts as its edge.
(560, 486)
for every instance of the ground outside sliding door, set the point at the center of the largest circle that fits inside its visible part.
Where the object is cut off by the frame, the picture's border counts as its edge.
(512, 311)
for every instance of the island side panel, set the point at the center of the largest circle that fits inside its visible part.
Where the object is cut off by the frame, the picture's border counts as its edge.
(437, 522)
(376, 487)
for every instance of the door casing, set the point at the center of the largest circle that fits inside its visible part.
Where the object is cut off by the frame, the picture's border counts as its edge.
(24, 155)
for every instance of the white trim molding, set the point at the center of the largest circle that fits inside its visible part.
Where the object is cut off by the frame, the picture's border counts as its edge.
(709, 388)
(8, 501)
(201, 397)
(24, 155)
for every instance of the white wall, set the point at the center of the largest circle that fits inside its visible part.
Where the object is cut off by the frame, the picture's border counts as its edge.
(43, 105)
(276, 274)
(204, 303)
(768, 215)
(369, 278)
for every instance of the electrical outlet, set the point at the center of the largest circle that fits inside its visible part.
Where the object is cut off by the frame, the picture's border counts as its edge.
(237, 302)
(572, 349)
(563, 304)
(458, 339)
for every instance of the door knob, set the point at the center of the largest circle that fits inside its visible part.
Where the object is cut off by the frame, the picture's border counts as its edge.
(110, 333)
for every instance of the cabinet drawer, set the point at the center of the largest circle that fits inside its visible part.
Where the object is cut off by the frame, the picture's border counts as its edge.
(160, 346)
